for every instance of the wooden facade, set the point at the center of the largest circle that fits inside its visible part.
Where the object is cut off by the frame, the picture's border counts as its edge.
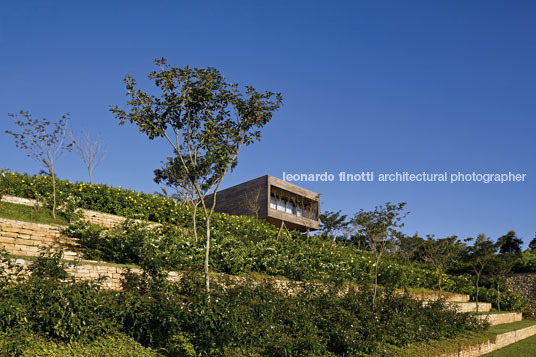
(273, 200)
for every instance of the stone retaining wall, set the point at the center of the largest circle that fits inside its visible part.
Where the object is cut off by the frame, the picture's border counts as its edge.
(524, 284)
(24, 238)
(504, 318)
(113, 274)
(102, 219)
(501, 341)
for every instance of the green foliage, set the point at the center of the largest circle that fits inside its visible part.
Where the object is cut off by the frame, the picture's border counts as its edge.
(509, 243)
(240, 245)
(130, 204)
(532, 244)
(50, 304)
(509, 300)
(204, 118)
(297, 258)
(526, 262)
(332, 222)
(28, 345)
(252, 319)
(30, 214)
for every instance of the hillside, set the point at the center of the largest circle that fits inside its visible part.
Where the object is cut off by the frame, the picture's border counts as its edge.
(279, 306)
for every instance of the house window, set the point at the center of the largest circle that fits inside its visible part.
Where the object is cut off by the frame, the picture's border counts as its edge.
(281, 205)
(288, 207)
(273, 203)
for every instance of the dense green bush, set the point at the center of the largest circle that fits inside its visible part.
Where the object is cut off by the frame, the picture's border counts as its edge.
(297, 258)
(48, 303)
(31, 345)
(48, 313)
(253, 319)
(526, 263)
(509, 300)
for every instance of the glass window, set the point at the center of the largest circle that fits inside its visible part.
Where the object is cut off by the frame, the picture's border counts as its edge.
(288, 207)
(281, 205)
(273, 203)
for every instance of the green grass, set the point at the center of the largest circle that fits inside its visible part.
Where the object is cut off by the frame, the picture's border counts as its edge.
(30, 214)
(495, 312)
(436, 348)
(498, 329)
(526, 347)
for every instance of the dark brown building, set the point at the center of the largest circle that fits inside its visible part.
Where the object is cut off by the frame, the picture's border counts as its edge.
(273, 200)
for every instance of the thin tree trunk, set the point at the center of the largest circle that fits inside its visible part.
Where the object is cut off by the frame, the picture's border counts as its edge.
(195, 222)
(476, 298)
(498, 297)
(53, 193)
(207, 253)
(375, 286)
(90, 176)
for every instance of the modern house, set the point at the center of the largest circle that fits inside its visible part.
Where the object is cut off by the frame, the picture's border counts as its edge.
(274, 200)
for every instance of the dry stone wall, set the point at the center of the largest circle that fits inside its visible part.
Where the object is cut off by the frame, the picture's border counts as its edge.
(24, 238)
(524, 284)
(501, 341)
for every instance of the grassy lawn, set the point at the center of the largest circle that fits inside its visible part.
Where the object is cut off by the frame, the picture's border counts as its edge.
(498, 329)
(526, 347)
(436, 348)
(495, 312)
(30, 214)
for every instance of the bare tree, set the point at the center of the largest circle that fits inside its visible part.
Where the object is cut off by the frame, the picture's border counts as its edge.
(252, 201)
(91, 151)
(43, 141)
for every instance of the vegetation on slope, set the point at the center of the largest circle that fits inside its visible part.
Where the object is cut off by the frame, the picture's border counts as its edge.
(241, 244)
(242, 319)
(30, 214)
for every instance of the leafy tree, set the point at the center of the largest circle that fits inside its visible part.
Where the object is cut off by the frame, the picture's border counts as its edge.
(90, 150)
(380, 227)
(532, 244)
(205, 119)
(499, 269)
(441, 253)
(410, 246)
(480, 256)
(332, 222)
(43, 141)
(509, 243)
(173, 175)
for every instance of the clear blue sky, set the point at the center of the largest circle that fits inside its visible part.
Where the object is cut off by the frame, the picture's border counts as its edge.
(379, 86)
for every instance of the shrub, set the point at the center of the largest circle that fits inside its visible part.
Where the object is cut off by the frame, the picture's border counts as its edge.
(48, 303)
(252, 319)
(115, 344)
